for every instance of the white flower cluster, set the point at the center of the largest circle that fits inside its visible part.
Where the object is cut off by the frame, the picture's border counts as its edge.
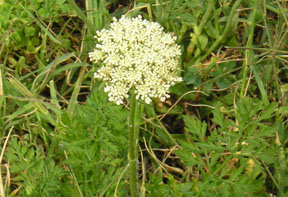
(136, 53)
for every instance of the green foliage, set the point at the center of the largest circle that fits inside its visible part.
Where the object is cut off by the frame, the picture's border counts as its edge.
(228, 160)
(95, 142)
(35, 174)
(223, 132)
(155, 187)
(20, 14)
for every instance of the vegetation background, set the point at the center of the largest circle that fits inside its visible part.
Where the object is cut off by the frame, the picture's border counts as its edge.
(223, 132)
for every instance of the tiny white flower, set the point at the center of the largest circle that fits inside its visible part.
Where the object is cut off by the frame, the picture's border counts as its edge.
(136, 53)
(96, 55)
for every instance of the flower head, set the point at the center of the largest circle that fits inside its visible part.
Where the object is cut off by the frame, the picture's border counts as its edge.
(136, 53)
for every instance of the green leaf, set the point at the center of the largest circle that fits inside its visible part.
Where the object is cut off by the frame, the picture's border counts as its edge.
(267, 111)
(224, 82)
(187, 157)
(194, 126)
(283, 109)
(29, 31)
(200, 41)
(218, 117)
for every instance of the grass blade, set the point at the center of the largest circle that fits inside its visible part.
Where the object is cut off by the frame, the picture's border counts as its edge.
(53, 38)
(75, 93)
(82, 16)
(260, 86)
(26, 93)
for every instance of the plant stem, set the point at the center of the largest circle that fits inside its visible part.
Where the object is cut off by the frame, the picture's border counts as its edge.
(226, 29)
(82, 16)
(206, 16)
(76, 91)
(132, 146)
(248, 53)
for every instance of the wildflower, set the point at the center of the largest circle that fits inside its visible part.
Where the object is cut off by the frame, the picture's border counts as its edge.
(136, 53)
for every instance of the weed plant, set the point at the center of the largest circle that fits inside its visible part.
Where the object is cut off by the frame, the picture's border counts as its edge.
(223, 131)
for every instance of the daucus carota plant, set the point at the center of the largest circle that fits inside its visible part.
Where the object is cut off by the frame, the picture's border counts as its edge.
(136, 57)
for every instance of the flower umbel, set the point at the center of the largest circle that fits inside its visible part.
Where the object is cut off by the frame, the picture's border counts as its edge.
(136, 53)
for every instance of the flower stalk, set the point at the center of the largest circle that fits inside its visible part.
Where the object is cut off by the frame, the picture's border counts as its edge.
(132, 147)
(135, 119)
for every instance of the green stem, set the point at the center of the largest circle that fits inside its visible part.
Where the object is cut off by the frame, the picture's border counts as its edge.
(226, 29)
(283, 172)
(248, 53)
(76, 91)
(82, 16)
(132, 146)
(138, 120)
(206, 15)
(198, 30)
